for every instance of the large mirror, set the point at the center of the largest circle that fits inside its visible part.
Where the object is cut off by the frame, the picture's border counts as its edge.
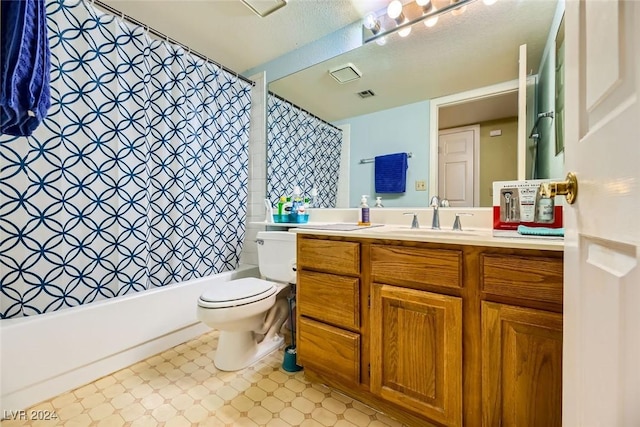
(389, 109)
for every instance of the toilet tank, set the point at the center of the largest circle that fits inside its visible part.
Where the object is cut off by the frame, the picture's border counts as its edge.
(277, 255)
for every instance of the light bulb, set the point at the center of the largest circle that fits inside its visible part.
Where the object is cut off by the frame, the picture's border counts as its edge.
(382, 41)
(426, 5)
(490, 2)
(431, 21)
(459, 11)
(404, 32)
(394, 10)
(370, 22)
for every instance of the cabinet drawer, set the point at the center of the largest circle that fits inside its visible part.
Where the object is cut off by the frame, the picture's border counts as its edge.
(329, 255)
(398, 265)
(329, 298)
(329, 349)
(532, 278)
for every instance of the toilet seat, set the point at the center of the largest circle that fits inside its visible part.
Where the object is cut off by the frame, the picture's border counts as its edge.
(240, 292)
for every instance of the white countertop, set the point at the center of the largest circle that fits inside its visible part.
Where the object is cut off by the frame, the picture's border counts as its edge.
(476, 237)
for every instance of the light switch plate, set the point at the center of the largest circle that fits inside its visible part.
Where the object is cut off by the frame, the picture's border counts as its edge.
(421, 185)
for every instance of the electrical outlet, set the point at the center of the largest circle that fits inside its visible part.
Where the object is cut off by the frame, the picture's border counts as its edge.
(421, 185)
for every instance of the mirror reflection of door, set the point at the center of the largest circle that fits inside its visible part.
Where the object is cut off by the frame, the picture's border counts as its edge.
(496, 118)
(457, 165)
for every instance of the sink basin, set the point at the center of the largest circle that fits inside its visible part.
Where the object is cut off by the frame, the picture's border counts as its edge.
(429, 232)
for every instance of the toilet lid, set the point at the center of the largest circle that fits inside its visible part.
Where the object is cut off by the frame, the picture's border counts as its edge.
(239, 292)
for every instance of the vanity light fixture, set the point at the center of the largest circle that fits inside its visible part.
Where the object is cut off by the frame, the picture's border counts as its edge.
(394, 10)
(458, 10)
(372, 24)
(426, 5)
(399, 18)
(428, 8)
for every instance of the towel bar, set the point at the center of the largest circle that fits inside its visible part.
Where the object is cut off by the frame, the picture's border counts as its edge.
(372, 159)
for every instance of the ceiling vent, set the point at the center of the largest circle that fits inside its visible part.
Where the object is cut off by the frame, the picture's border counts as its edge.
(263, 8)
(366, 94)
(345, 73)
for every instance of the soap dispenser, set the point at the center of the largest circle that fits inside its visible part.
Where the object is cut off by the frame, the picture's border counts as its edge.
(364, 212)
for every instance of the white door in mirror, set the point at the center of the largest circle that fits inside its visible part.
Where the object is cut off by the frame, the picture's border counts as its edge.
(457, 171)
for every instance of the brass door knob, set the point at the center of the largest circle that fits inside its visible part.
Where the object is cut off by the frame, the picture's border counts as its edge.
(568, 188)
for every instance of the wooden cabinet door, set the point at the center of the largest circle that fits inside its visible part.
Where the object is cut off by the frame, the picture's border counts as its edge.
(521, 366)
(330, 350)
(416, 351)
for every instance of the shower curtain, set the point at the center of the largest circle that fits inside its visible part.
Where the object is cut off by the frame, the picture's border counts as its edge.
(301, 150)
(137, 178)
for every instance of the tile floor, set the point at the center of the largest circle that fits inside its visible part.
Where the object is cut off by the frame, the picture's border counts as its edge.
(182, 387)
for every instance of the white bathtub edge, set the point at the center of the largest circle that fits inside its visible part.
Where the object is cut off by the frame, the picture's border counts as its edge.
(36, 365)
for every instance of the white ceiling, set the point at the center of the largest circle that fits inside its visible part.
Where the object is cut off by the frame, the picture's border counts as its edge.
(479, 110)
(228, 32)
(475, 49)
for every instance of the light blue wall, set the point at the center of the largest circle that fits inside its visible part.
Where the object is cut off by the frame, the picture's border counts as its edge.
(549, 165)
(400, 129)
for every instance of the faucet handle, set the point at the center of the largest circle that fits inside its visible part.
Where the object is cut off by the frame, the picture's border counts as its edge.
(414, 222)
(457, 226)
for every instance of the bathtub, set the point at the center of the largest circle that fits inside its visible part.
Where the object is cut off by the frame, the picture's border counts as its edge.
(46, 355)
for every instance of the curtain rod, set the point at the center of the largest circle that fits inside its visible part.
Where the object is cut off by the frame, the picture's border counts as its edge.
(162, 36)
(308, 112)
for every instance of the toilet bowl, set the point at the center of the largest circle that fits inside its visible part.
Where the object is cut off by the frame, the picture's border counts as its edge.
(248, 312)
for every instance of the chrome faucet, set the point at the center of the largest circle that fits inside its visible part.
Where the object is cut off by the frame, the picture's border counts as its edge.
(457, 226)
(414, 222)
(435, 203)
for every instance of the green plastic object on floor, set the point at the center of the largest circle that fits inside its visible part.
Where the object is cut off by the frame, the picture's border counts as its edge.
(289, 363)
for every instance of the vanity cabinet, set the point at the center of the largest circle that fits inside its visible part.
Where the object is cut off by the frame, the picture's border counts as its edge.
(416, 330)
(328, 308)
(521, 366)
(521, 345)
(434, 334)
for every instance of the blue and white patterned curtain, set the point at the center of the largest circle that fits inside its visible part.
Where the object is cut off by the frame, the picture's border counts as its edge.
(137, 178)
(301, 150)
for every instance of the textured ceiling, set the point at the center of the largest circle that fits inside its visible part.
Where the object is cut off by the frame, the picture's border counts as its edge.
(475, 49)
(228, 32)
(479, 110)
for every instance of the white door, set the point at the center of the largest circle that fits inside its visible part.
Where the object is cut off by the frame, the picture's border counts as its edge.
(601, 358)
(457, 160)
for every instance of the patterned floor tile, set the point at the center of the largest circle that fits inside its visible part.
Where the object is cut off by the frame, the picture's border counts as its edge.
(181, 387)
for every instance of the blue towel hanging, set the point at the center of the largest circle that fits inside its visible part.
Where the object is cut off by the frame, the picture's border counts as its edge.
(391, 173)
(25, 66)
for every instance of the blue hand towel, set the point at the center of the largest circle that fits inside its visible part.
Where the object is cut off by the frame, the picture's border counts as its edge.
(540, 231)
(25, 66)
(391, 173)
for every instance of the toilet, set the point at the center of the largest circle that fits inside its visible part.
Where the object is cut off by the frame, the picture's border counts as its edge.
(246, 311)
